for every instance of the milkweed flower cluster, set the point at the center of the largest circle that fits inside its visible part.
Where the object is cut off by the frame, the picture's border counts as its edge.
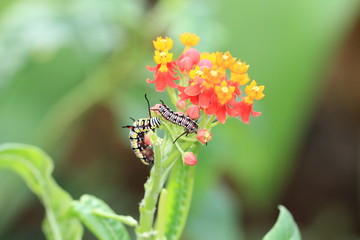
(209, 84)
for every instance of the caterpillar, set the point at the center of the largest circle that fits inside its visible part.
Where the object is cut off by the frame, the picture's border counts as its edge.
(182, 120)
(137, 135)
(142, 151)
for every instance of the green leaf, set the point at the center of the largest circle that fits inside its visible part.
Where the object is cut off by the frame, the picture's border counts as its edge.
(285, 227)
(102, 227)
(178, 200)
(35, 167)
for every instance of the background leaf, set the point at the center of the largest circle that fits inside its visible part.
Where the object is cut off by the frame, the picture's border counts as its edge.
(285, 227)
(35, 167)
(102, 228)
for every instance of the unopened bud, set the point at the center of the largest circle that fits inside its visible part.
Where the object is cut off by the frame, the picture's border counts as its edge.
(185, 64)
(193, 54)
(193, 112)
(189, 158)
(181, 105)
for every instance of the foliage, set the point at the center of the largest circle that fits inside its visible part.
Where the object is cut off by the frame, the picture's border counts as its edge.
(35, 167)
(285, 227)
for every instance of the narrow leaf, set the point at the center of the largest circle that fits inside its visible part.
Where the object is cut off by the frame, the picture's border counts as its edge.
(160, 221)
(179, 188)
(35, 167)
(103, 228)
(285, 227)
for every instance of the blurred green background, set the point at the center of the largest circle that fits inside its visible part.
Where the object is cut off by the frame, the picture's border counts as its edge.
(73, 72)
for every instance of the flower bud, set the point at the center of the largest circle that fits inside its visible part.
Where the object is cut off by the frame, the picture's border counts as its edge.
(193, 54)
(193, 112)
(189, 158)
(204, 135)
(185, 64)
(181, 105)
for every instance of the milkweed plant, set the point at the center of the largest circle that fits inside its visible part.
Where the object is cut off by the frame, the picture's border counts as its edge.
(205, 89)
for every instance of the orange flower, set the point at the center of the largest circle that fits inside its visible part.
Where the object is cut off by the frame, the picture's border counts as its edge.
(205, 76)
(240, 79)
(224, 60)
(224, 92)
(239, 67)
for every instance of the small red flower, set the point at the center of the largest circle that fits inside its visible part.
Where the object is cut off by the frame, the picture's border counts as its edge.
(244, 110)
(189, 158)
(163, 78)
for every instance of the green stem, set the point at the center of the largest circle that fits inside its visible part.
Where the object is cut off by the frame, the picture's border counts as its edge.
(172, 95)
(153, 187)
(165, 157)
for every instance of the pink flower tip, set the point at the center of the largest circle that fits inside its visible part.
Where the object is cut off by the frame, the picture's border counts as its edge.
(189, 158)
(193, 112)
(181, 105)
(204, 135)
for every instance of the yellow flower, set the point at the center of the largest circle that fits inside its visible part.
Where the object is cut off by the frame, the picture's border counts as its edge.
(224, 92)
(239, 67)
(254, 92)
(163, 58)
(163, 44)
(196, 72)
(240, 79)
(189, 39)
(224, 60)
(213, 76)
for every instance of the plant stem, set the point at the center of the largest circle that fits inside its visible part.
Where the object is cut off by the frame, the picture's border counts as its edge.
(147, 207)
(164, 161)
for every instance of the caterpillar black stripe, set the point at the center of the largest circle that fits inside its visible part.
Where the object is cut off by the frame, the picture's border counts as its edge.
(181, 120)
(137, 135)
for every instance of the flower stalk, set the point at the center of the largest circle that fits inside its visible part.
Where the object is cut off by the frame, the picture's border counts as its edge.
(207, 91)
